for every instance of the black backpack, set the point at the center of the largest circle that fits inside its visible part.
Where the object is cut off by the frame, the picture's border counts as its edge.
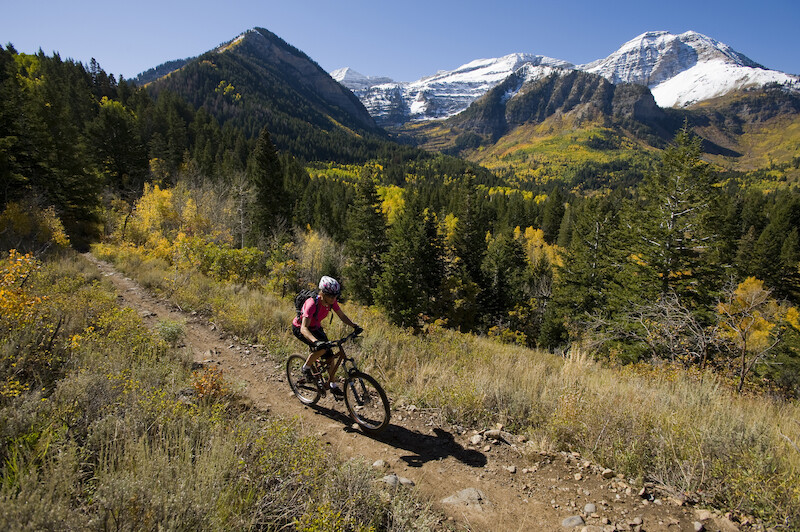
(300, 299)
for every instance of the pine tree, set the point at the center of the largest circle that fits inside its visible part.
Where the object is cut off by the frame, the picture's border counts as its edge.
(469, 241)
(551, 216)
(116, 146)
(775, 255)
(266, 174)
(16, 154)
(366, 241)
(668, 225)
(504, 268)
(589, 279)
(410, 285)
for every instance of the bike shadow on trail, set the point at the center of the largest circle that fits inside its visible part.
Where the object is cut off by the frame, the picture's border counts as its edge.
(423, 448)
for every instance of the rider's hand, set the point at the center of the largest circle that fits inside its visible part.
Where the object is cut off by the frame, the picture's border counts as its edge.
(357, 330)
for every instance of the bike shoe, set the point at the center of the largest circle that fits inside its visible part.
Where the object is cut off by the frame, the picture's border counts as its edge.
(308, 376)
(337, 392)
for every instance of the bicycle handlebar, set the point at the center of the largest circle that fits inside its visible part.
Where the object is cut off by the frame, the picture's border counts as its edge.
(344, 339)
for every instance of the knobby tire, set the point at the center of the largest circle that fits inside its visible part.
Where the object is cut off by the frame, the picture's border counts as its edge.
(367, 402)
(307, 392)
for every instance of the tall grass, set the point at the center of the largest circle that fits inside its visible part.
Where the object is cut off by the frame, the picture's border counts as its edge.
(686, 432)
(116, 432)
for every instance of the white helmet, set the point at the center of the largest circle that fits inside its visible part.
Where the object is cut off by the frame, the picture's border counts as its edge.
(329, 285)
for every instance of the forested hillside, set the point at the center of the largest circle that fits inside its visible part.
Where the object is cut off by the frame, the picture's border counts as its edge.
(450, 243)
(665, 261)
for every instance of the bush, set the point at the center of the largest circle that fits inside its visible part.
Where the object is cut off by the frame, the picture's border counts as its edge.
(30, 229)
(170, 331)
(119, 440)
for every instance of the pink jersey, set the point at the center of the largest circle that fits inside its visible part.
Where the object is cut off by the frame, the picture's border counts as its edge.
(315, 311)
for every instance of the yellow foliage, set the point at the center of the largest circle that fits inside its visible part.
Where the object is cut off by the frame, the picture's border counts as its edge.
(793, 317)
(38, 228)
(508, 335)
(154, 216)
(450, 224)
(392, 201)
(209, 383)
(536, 248)
(12, 388)
(17, 305)
(159, 168)
(750, 315)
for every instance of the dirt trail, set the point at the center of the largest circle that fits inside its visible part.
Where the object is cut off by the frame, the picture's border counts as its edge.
(528, 491)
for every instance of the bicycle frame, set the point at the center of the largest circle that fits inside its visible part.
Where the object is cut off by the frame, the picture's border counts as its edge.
(340, 359)
(365, 399)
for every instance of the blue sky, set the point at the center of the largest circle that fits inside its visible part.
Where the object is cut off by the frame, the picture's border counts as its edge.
(403, 40)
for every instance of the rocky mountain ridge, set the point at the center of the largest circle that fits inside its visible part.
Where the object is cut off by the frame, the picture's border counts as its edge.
(680, 70)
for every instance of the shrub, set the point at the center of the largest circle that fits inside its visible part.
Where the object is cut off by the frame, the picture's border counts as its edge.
(116, 443)
(170, 331)
(30, 229)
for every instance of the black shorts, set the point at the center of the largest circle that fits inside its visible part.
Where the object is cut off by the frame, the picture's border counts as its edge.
(319, 334)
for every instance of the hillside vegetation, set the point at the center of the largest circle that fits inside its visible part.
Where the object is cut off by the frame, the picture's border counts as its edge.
(594, 292)
(105, 425)
(687, 431)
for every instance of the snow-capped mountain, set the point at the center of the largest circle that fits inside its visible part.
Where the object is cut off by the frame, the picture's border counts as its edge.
(442, 95)
(679, 70)
(684, 69)
(355, 81)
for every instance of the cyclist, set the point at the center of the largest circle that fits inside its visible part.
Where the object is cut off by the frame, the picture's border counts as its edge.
(308, 327)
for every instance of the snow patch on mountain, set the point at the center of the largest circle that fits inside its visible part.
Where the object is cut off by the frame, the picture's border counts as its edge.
(679, 70)
(356, 81)
(684, 69)
(439, 96)
(716, 78)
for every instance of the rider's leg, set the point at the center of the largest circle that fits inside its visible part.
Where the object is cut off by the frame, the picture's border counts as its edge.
(331, 371)
(312, 358)
(333, 367)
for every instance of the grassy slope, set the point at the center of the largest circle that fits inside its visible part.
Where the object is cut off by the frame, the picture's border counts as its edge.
(108, 427)
(540, 153)
(687, 432)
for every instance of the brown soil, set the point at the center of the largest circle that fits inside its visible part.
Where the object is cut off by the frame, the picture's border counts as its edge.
(522, 489)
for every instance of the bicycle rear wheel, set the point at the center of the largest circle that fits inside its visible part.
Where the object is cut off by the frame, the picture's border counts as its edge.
(367, 402)
(307, 392)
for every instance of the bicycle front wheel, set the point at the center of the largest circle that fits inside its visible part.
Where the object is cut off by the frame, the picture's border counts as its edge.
(367, 402)
(307, 392)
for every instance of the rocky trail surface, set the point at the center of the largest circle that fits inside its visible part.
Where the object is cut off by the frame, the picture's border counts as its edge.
(480, 480)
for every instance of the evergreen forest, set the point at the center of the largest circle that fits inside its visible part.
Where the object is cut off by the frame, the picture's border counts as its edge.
(673, 263)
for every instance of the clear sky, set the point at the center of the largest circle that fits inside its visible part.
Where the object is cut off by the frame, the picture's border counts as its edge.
(404, 40)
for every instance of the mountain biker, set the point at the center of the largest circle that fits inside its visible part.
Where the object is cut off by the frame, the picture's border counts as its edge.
(308, 327)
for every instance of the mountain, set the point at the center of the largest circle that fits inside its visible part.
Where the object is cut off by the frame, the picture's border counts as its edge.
(259, 80)
(681, 70)
(535, 93)
(160, 71)
(442, 95)
(685, 69)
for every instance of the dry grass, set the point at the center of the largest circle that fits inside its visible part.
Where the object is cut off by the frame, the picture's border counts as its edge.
(687, 432)
(120, 438)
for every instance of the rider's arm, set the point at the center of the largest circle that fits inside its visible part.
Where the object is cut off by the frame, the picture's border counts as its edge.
(344, 318)
(305, 331)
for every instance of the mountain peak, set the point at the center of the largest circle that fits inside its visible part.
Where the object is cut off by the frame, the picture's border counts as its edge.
(357, 81)
(684, 69)
(680, 70)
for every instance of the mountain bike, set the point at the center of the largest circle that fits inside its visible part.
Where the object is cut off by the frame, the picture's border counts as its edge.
(364, 397)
